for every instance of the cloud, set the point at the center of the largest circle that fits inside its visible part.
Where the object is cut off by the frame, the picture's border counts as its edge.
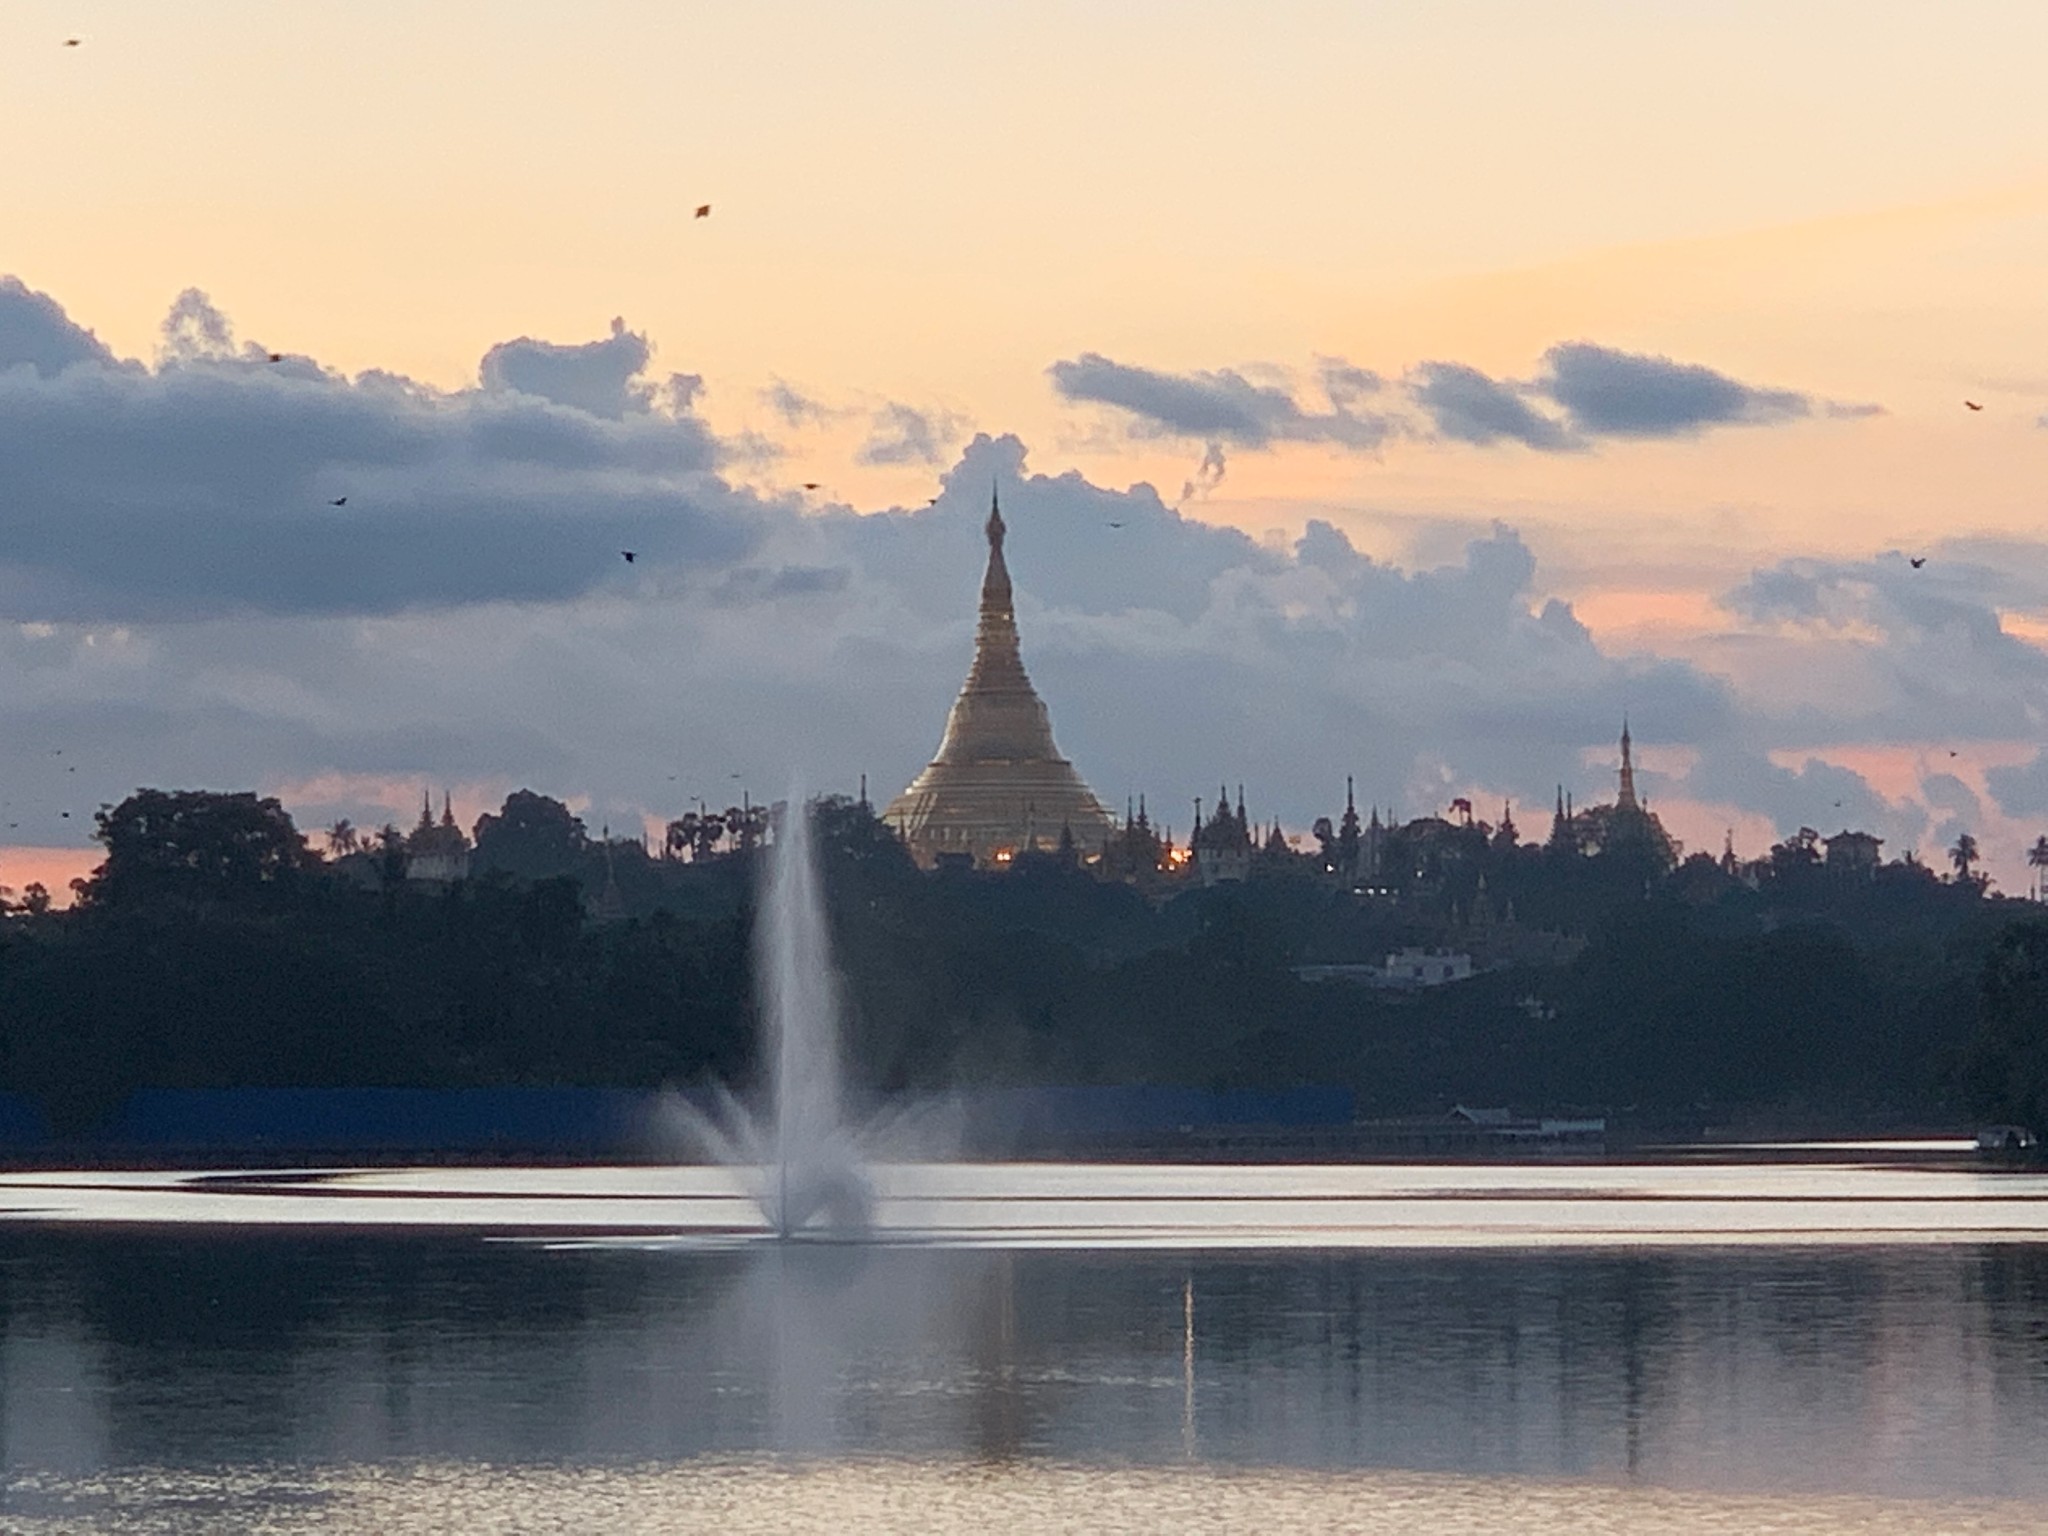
(36, 334)
(901, 434)
(1345, 383)
(1225, 406)
(203, 487)
(1600, 392)
(1171, 652)
(1876, 650)
(796, 409)
(194, 331)
(1606, 393)
(600, 378)
(179, 604)
(1465, 405)
(1208, 474)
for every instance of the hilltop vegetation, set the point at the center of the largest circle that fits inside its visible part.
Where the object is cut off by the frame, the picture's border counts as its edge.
(214, 948)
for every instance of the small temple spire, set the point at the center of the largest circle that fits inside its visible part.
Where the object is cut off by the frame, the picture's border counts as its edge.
(1625, 797)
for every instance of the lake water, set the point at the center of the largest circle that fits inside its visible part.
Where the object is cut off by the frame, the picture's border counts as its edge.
(1790, 1347)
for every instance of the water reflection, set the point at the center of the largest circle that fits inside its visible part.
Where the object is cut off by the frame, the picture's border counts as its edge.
(1916, 1371)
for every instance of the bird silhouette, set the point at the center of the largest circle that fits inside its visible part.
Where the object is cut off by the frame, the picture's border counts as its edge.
(1916, 561)
(703, 211)
(1973, 405)
(276, 357)
(1953, 753)
(630, 555)
(72, 42)
(65, 814)
(1116, 525)
(810, 485)
(339, 501)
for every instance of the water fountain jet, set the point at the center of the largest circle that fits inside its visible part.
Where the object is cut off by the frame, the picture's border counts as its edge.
(803, 1157)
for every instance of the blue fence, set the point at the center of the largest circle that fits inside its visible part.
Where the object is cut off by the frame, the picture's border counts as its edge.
(22, 1122)
(560, 1120)
(603, 1122)
(1137, 1110)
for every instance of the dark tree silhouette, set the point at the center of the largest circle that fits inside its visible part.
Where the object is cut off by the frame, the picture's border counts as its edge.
(531, 837)
(195, 845)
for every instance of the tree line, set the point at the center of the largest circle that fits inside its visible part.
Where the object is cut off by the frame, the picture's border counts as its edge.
(214, 947)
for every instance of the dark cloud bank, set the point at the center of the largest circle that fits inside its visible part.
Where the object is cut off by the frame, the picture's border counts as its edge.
(1584, 393)
(180, 603)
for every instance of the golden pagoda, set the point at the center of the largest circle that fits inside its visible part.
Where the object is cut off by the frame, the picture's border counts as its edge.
(998, 785)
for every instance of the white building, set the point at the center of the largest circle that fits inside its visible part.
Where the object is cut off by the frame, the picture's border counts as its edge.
(1425, 967)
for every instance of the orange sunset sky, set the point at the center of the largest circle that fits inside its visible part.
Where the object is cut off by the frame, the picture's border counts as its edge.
(919, 210)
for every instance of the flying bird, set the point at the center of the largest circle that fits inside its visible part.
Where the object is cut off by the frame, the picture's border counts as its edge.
(1973, 405)
(810, 485)
(65, 814)
(339, 501)
(72, 42)
(1116, 525)
(1952, 752)
(703, 211)
(1916, 561)
(275, 357)
(630, 555)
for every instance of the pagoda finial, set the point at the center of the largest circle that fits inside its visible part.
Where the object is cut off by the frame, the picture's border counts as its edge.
(1625, 796)
(995, 528)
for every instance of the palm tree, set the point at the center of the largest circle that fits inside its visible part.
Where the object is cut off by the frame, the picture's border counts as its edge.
(342, 839)
(1963, 855)
(2037, 859)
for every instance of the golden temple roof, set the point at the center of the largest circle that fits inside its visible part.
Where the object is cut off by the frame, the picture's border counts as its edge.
(998, 784)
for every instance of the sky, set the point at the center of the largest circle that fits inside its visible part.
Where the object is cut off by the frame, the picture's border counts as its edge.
(1400, 391)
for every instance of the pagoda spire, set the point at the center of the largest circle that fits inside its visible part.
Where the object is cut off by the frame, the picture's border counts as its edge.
(1625, 798)
(997, 772)
(998, 667)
